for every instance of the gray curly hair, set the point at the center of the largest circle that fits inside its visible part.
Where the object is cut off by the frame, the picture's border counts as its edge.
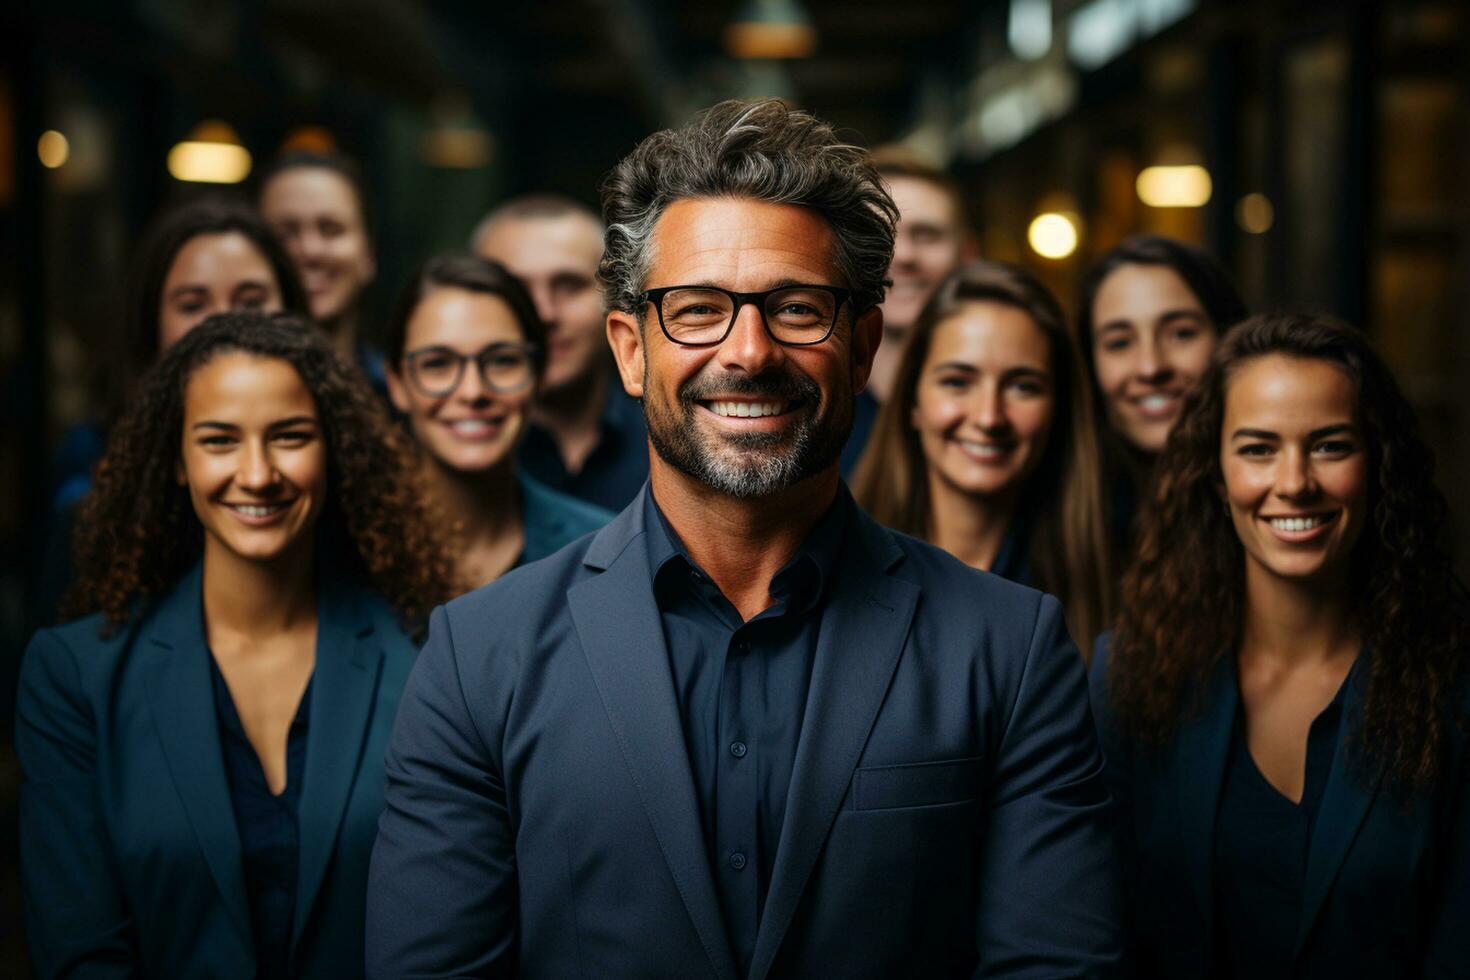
(764, 150)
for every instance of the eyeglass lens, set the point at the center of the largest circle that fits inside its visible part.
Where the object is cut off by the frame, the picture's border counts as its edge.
(799, 315)
(438, 371)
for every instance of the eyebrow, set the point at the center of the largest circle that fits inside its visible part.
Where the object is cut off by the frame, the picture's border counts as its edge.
(280, 424)
(1326, 430)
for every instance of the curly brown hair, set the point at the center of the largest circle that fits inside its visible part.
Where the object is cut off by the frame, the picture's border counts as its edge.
(137, 534)
(1183, 594)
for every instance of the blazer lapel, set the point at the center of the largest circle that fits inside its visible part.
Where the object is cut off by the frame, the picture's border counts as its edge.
(181, 692)
(863, 629)
(1202, 751)
(1345, 804)
(618, 624)
(343, 689)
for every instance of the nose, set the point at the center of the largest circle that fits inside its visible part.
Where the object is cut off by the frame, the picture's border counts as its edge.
(257, 472)
(750, 347)
(1152, 366)
(1294, 477)
(545, 305)
(987, 409)
(903, 250)
(471, 388)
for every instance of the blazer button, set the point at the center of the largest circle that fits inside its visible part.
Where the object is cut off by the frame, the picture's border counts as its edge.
(737, 861)
(738, 749)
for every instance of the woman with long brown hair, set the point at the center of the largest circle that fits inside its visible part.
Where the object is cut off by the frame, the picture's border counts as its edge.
(986, 445)
(201, 754)
(1284, 699)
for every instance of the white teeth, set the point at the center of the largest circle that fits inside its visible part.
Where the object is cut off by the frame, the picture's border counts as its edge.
(985, 449)
(747, 410)
(470, 427)
(261, 510)
(1155, 403)
(1299, 523)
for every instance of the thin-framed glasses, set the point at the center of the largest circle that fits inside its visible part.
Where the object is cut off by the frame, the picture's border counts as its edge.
(702, 316)
(504, 367)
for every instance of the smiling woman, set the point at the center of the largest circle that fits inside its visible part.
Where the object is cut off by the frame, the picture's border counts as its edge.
(466, 352)
(1284, 701)
(986, 446)
(252, 559)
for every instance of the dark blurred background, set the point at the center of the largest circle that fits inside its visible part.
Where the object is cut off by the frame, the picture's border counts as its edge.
(1319, 148)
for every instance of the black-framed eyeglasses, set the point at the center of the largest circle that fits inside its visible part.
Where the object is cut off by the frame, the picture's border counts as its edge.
(703, 316)
(504, 367)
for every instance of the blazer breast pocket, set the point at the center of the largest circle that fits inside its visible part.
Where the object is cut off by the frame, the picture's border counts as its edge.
(916, 784)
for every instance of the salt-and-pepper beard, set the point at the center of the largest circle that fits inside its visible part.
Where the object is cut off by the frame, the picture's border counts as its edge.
(754, 464)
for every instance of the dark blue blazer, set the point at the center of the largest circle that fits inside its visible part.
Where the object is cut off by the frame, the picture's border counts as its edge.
(1387, 891)
(946, 814)
(131, 860)
(553, 519)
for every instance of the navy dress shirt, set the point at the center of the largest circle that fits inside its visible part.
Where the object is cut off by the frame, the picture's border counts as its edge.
(741, 689)
(613, 472)
(1262, 842)
(269, 834)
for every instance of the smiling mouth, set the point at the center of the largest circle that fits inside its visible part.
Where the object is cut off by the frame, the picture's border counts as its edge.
(747, 410)
(1157, 406)
(258, 511)
(1296, 525)
(985, 451)
(473, 428)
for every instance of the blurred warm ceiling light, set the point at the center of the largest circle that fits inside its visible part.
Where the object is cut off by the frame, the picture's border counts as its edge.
(212, 154)
(771, 29)
(1254, 213)
(53, 148)
(1186, 186)
(457, 139)
(309, 139)
(1053, 234)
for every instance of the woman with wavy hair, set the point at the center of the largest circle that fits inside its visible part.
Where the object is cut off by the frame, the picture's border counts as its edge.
(986, 445)
(201, 754)
(1284, 700)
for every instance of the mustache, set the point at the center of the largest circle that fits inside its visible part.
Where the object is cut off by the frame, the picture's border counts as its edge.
(774, 384)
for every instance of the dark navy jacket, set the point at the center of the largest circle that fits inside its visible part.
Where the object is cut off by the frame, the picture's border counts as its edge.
(1387, 890)
(130, 856)
(553, 519)
(945, 817)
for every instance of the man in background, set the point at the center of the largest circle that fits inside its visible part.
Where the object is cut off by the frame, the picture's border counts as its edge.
(933, 240)
(587, 437)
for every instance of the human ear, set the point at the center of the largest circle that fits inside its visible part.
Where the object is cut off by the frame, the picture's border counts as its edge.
(397, 390)
(625, 337)
(867, 333)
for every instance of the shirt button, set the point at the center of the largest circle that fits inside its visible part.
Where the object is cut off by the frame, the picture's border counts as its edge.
(742, 647)
(738, 749)
(737, 861)
(696, 574)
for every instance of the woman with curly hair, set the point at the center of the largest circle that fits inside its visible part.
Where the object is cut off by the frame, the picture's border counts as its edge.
(986, 447)
(202, 754)
(1283, 703)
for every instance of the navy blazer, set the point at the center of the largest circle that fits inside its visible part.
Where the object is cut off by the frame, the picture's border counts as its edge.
(131, 860)
(553, 519)
(946, 812)
(1387, 889)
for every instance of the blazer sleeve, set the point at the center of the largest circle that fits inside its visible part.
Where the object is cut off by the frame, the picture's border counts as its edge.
(442, 884)
(1048, 894)
(77, 917)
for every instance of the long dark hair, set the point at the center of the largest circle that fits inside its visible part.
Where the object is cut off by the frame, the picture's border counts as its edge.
(1184, 593)
(461, 270)
(1069, 539)
(135, 344)
(137, 533)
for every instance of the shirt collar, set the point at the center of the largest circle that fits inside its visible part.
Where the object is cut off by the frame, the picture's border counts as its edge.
(807, 574)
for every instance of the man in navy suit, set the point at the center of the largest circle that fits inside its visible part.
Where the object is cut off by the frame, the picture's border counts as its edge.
(743, 731)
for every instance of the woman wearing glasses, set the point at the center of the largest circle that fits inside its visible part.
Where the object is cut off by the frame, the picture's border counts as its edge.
(465, 351)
